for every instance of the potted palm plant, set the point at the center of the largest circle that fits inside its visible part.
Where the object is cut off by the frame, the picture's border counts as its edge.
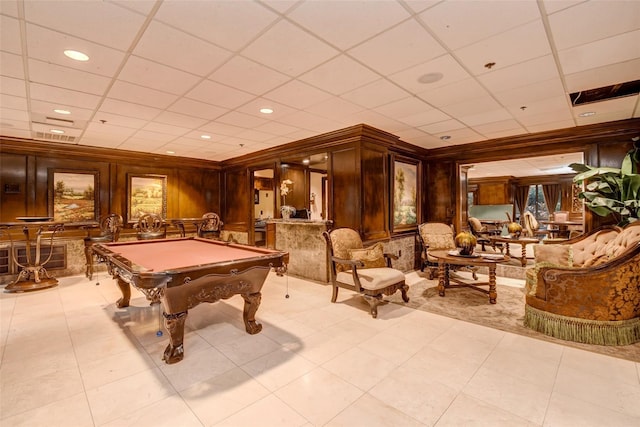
(612, 191)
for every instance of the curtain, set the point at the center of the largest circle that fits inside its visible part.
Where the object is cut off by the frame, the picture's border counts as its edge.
(551, 193)
(520, 197)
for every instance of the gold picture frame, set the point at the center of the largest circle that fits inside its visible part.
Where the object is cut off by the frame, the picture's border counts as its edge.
(404, 203)
(146, 193)
(72, 195)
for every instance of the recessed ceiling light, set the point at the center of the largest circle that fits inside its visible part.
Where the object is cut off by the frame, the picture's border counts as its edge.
(205, 136)
(171, 152)
(266, 110)
(305, 161)
(430, 78)
(60, 111)
(445, 137)
(587, 114)
(75, 55)
(56, 131)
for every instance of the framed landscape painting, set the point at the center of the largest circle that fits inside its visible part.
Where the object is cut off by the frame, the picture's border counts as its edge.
(72, 195)
(147, 194)
(405, 194)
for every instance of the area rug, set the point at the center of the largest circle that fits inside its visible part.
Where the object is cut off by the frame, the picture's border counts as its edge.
(507, 314)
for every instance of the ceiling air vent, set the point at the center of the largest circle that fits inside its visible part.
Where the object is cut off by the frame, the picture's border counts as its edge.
(54, 137)
(603, 93)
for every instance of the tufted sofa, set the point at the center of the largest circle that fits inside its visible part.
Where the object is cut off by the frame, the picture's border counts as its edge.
(587, 289)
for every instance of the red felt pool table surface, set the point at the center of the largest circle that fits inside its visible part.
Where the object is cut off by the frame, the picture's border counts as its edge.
(169, 254)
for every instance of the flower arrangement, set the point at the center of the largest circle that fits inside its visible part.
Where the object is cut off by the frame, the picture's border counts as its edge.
(284, 189)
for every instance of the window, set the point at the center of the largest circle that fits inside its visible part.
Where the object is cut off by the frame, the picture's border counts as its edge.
(536, 204)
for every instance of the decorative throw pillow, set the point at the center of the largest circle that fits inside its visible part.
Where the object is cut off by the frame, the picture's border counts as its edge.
(560, 255)
(372, 257)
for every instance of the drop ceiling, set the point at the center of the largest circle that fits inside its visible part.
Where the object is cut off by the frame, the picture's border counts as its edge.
(163, 73)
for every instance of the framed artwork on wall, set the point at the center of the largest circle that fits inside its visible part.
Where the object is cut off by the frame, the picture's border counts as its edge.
(405, 194)
(72, 195)
(146, 193)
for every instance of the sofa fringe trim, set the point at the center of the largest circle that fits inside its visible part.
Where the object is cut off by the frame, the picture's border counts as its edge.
(614, 332)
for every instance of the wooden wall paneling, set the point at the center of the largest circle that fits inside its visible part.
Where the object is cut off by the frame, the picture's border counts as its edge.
(195, 193)
(345, 188)
(441, 192)
(298, 196)
(375, 194)
(13, 186)
(236, 209)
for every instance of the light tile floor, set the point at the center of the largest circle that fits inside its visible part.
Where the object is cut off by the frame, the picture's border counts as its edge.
(71, 358)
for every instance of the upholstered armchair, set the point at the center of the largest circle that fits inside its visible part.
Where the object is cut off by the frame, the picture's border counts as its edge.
(482, 232)
(437, 236)
(367, 271)
(109, 231)
(151, 226)
(210, 226)
(587, 289)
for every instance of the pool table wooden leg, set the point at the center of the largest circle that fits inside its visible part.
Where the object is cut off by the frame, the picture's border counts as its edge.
(175, 326)
(126, 294)
(251, 304)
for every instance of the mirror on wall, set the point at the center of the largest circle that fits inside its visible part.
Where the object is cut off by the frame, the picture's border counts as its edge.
(263, 203)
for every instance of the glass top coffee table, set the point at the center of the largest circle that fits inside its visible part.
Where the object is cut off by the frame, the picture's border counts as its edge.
(445, 280)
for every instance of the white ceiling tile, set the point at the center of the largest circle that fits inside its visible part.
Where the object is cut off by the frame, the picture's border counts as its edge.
(63, 96)
(425, 117)
(9, 8)
(99, 130)
(548, 116)
(339, 75)
(624, 47)
(375, 94)
(444, 126)
(593, 20)
(11, 65)
(499, 126)
(142, 6)
(401, 47)
(454, 93)
(489, 116)
(67, 78)
(12, 86)
(8, 28)
(463, 136)
(157, 76)
(552, 6)
(606, 111)
(279, 5)
(243, 120)
(199, 109)
(460, 24)
(99, 22)
(236, 23)
(218, 128)
(114, 106)
(165, 128)
(525, 95)
(522, 74)
(217, 94)
(180, 120)
(405, 107)
(543, 105)
(334, 108)
(297, 94)
(188, 53)
(249, 76)
(471, 107)
(276, 128)
(113, 122)
(288, 49)
(446, 65)
(511, 47)
(502, 133)
(13, 102)
(343, 23)
(10, 114)
(144, 137)
(418, 6)
(254, 135)
(49, 46)
(603, 76)
(125, 91)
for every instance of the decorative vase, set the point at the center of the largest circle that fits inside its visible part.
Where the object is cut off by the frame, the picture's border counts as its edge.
(466, 243)
(287, 211)
(514, 229)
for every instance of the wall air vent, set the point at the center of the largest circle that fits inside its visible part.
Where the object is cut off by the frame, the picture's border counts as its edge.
(603, 93)
(54, 137)
(58, 122)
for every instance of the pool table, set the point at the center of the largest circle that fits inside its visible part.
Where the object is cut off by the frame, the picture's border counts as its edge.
(181, 273)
